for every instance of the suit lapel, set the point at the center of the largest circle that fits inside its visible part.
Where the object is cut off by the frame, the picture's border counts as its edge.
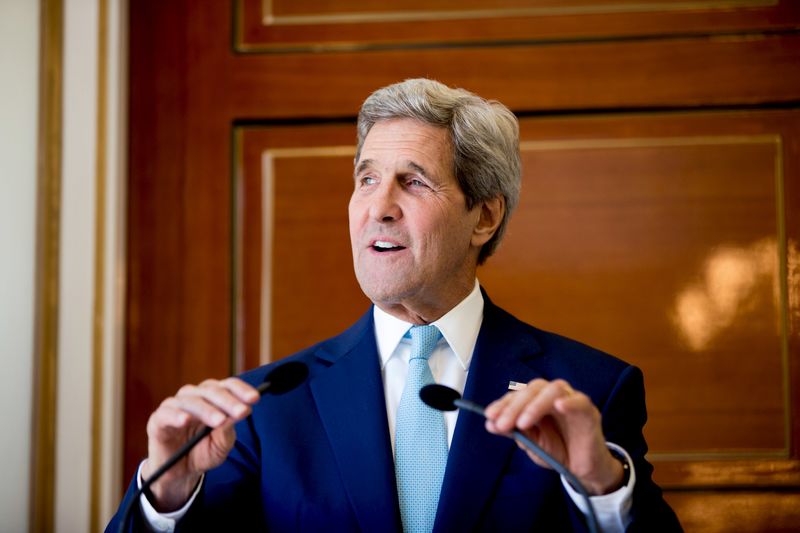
(351, 403)
(477, 458)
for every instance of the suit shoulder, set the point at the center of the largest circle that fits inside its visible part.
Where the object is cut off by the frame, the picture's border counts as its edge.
(573, 350)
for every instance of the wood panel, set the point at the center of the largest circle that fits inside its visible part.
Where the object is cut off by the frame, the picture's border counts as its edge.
(667, 232)
(744, 69)
(271, 26)
(153, 307)
(178, 314)
(690, 222)
(774, 324)
(737, 512)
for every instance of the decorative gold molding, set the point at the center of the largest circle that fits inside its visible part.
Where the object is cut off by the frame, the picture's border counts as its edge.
(783, 280)
(237, 361)
(657, 457)
(268, 225)
(776, 142)
(646, 142)
(315, 151)
(269, 19)
(271, 154)
(99, 268)
(48, 211)
(256, 22)
(343, 41)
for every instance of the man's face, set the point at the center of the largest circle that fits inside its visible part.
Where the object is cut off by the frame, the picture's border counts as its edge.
(410, 230)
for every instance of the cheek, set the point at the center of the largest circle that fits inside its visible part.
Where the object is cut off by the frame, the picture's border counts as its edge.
(352, 216)
(446, 234)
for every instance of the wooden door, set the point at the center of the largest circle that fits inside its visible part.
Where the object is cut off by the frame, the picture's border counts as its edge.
(658, 221)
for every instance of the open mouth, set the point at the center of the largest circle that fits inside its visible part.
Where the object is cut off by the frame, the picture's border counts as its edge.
(385, 246)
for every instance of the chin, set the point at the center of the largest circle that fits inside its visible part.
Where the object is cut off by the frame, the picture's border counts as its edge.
(379, 291)
(384, 295)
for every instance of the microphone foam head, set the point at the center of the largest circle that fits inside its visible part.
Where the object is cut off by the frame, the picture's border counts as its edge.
(439, 397)
(286, 377)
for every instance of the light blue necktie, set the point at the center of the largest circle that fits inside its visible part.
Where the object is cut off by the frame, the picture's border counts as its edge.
(420, 440)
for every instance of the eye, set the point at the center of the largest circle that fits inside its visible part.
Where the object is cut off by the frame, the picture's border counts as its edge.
(367, 180)
(416, 182)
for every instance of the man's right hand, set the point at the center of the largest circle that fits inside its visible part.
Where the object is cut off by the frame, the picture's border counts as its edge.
(217, 404)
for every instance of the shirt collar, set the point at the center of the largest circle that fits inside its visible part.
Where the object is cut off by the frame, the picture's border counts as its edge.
(459, 326)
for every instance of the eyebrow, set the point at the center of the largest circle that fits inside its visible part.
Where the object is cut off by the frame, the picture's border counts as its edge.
(362, 166)
(418, 169)
(367, 163)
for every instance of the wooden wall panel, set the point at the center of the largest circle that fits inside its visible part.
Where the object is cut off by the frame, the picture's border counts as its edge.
(737, 512)
(666, 252)
(274, 26)
(153, 306)
(529, 77)
(659, 238)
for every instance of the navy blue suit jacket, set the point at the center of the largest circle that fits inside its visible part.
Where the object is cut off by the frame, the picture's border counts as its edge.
(319, 457)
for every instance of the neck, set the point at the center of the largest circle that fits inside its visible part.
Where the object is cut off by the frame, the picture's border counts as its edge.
(424, 312)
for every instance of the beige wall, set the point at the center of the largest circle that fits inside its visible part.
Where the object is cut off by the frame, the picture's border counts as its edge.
(19, 49)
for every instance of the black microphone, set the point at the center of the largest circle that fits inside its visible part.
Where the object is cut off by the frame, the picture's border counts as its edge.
(280, 380)
(444, 398)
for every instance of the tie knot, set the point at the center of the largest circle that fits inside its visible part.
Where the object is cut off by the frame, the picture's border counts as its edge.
(423, 341)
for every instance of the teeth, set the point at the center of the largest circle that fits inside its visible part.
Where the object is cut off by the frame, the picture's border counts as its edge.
(384, 244)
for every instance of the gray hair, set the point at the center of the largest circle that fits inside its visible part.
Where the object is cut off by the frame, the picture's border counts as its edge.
(484, 133)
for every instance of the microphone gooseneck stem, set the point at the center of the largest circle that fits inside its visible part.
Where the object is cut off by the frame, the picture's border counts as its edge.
(594, 527)
(473, 407)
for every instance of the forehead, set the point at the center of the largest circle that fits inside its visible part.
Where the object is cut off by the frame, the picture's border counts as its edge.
(410, 140)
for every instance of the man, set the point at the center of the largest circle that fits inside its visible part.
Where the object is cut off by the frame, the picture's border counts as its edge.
(437, 174)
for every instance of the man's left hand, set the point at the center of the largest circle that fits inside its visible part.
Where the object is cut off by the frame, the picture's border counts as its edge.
(566, 424)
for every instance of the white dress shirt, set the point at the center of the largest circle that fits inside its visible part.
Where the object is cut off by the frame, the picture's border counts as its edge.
(449, 363)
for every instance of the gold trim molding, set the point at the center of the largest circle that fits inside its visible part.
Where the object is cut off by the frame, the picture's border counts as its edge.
(48, 211)
(269, 19)
(99, 268)
(269, 155)
(776, 142)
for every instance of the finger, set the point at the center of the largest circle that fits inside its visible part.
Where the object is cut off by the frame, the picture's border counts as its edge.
(493, 409)
(168, 416)
(218, 395)
(241, 389)
(167, 425)
(580, 410)
(576, 403)
(231, 395)
(506, 419)
(197, 408)
(543, 403)
(491, 427)
(167, 428)
(533, 456)
(212, 405)
(496, 406)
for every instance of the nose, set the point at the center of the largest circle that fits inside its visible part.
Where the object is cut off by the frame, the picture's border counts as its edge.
(384, 206)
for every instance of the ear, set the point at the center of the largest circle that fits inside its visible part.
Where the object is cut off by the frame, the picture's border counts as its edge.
(491, 214)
